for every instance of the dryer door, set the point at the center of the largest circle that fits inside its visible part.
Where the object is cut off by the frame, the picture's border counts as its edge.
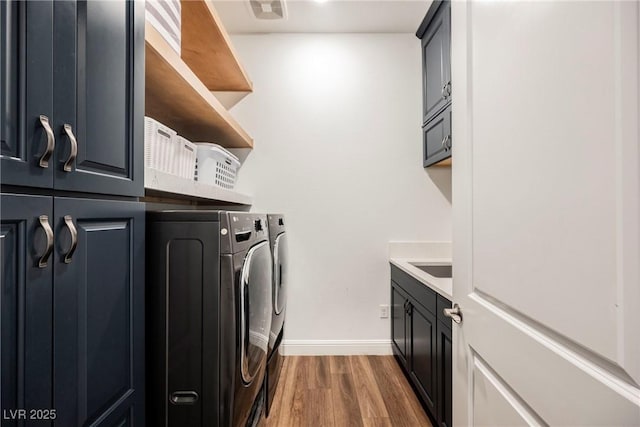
(279, 273)
(255, 309)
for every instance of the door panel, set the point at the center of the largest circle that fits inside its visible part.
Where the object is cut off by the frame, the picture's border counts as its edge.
(435, 57)
(25, 306)
(99, 326)
(99, 93)
(26, 89)
(495, 403)
(445, 375)
(437, 138)
(580, 207)
(547, 239)
(398, 323)
(423, 354)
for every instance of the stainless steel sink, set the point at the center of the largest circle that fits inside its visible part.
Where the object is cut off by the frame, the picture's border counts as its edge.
(440, 271)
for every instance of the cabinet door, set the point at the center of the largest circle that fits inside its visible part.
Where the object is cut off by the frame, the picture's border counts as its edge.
(25, 306)
(423, 354)
(99, 95)
(99, 312)
(26, 93)
(436, 59)
(437, 139)
(399, 323)
(444, 368)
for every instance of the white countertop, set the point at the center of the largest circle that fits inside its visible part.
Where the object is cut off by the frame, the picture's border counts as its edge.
(402, 254)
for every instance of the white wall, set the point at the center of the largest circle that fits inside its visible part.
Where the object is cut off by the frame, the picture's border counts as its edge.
(336, 122)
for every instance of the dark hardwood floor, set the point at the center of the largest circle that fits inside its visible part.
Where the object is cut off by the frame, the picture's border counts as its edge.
(345, 391)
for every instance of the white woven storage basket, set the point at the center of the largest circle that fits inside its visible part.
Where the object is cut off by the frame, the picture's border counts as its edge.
(216, 166)
(159, 145)
(185, 158)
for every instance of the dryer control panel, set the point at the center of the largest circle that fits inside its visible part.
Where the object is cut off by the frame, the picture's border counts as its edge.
(243, 230)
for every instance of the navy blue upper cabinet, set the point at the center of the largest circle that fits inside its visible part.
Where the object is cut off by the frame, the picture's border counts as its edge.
(26, 343)
(99, 312)
(26, 93)
(435, 33)
(72, 86)
(99, 96)
(437, 140)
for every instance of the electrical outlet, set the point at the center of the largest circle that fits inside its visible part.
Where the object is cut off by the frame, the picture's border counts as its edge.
(384, 311)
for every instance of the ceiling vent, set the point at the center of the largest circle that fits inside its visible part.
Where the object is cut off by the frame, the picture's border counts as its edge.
(269, 10)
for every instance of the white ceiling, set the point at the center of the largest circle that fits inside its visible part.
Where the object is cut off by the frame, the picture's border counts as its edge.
(330, 16)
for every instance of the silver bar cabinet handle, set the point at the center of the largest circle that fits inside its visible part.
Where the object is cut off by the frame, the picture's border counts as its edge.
(445, 143)
(74, 238)
(454, 313)
(44, 223)
(74, 148)
(51, 142)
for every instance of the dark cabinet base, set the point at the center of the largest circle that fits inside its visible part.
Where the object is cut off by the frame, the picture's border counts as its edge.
(72, 315)
(25, 304)
(422, 344)
(99, 312)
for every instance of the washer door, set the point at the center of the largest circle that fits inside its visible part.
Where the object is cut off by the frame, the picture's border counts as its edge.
(279, 273)
(255, 309)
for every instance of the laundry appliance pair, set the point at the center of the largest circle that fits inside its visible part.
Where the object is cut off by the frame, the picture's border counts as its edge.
(216, 296)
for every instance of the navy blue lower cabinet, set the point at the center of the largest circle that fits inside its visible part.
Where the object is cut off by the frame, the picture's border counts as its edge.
(423, 354)
(400, 324)
(26, 93)
(445, 375)
(26, 306)
(421, 341)
(99, 312)
(444, 361)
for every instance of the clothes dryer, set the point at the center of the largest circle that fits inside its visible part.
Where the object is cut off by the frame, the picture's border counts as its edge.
(278, 242)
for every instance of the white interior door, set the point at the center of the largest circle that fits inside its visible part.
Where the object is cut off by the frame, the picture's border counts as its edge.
(546, 194)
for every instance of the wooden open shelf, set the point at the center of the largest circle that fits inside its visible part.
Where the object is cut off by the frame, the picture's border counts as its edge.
(177, 98)
(207, 49)
(160, 184)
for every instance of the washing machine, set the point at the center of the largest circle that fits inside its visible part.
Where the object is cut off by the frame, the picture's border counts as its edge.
(278, 243)
(209, 311)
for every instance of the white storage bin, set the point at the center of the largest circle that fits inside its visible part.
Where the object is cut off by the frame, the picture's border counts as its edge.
(159, 145)
(216, 166)
(166, 18)
(185, 159)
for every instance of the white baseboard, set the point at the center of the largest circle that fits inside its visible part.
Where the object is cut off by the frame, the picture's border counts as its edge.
(336, 347)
